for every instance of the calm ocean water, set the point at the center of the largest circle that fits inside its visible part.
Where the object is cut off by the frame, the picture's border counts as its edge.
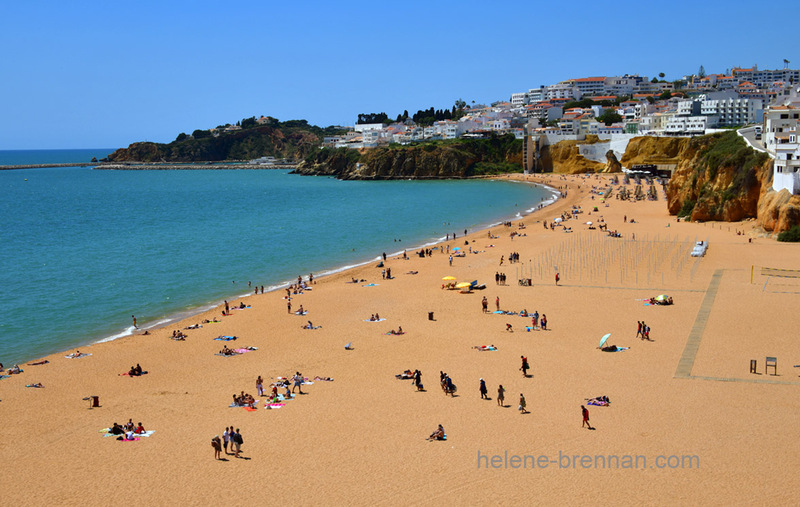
(84, 249)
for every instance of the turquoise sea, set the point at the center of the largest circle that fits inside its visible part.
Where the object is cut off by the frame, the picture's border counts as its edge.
(84, 249)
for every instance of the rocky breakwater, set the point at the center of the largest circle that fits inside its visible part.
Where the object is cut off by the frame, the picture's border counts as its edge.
(434, 160)
(719, 177)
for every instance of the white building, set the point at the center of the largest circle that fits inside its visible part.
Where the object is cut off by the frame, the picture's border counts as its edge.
(519, 99)
(733, 112)
(786, 173)
(688, 125)
(564, 90)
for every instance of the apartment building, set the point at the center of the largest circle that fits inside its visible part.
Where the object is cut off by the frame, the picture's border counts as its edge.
(732, 112)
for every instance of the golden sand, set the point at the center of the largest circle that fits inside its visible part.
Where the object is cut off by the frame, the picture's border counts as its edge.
(361, 439)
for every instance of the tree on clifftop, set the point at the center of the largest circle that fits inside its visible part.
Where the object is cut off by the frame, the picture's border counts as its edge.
(200, 134)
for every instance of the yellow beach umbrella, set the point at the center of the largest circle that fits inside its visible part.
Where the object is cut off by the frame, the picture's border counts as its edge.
(448, 278)
(463, 285)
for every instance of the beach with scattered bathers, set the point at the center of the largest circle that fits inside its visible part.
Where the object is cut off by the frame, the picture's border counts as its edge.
(362, 438)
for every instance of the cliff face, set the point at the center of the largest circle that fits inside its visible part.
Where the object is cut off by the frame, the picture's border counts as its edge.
(564, 157)
(720, 178)
(289, 143)
(654, 150)
(456, 159)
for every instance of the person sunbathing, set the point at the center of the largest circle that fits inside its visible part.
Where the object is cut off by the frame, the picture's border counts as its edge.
(609, 348)
(116, 429)
(14, 370)
(326, 379)
(408, 374)
(438, 434)
(195, 326)
(38, 385)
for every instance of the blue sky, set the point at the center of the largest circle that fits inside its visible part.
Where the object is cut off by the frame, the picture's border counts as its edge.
(106, 74)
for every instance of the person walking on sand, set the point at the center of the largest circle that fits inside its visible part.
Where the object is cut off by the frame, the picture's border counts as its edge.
(485, 304)
(525, 367)
(497, 303)
(639, 330)
(134, 322)
(522, 404)
(543, 322)
(451, 260)
(558, 277)
(260, 386)
(585, 414)
(226, 437)
(217, 445)
(483, 390)
(501, 397)
(501, 259)
(227, 310)
(289, 306)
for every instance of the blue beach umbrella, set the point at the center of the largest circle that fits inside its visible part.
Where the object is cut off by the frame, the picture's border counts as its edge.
(604, 339)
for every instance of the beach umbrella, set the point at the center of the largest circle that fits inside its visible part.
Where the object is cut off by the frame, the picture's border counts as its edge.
(456, 249)
(588, 223)
(604, 339)
(463, 285)
(662, 298)
(557, 219)
(448, 278)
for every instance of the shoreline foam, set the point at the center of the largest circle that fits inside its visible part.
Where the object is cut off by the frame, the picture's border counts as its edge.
(190, 310)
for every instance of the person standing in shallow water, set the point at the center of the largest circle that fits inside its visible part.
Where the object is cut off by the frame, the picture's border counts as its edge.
(134, 321)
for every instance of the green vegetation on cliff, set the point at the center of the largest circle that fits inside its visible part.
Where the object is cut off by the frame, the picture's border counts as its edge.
(719, 177)
(291, 140)
(455, 158)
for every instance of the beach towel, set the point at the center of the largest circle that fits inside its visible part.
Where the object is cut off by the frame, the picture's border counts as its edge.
(123, 439)
(107, 433)
(228, 355)
(379, 320)
(225, 338)
(269, 406)
(73, 356)
(128, 374)
(304, 313)
(396, 334)
(250, 409)
(5, 376)
(484, 348)
(245, 350)
(597, 403)
(619, 349)
(370, 285)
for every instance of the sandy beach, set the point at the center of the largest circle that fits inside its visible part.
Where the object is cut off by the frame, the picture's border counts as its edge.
(695, 425)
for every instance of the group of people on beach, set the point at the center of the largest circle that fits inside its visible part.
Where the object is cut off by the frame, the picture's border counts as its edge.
(127, 431)
(229, 436)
